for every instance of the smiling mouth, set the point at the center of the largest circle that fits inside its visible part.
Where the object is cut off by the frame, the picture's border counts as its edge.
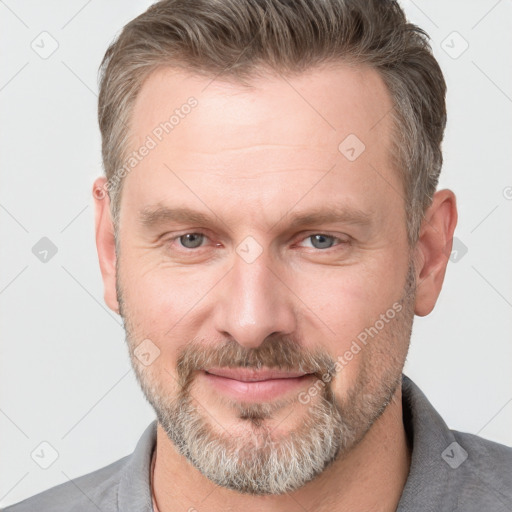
(249, 375)
(254, 385)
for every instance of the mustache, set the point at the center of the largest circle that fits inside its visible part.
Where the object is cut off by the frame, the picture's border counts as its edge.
(276, 352)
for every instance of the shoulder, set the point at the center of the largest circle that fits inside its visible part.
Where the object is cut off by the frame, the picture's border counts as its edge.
(451, 471)
(91, 492)
(484, 470)
(123, 485)
(488, 456)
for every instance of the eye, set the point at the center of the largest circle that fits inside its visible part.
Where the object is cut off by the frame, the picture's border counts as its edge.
(321, 241)
(324, 241)
(191, 240)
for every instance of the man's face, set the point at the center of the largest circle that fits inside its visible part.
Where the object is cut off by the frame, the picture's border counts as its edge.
(280, 342)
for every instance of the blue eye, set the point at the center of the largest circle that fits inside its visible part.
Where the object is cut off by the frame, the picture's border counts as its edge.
(191, 240)
(319, 241)
(322, 241)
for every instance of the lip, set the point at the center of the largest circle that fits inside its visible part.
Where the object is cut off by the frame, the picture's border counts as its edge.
(250, 375)
(254, 385)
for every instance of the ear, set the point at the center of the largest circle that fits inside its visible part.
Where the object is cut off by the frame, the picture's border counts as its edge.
(433, 250)
(105, 242)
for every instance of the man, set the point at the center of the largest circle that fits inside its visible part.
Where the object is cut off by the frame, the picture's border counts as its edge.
(267, 228)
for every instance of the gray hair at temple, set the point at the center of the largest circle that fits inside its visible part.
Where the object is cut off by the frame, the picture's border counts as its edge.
(238, 39)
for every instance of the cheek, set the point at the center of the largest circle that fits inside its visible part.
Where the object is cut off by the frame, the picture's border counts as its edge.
(168, 306)
(159, 295)
(346, 300)
(351, 313)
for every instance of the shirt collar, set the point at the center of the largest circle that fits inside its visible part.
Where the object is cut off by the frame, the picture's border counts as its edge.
(427, 486)
(134, 493)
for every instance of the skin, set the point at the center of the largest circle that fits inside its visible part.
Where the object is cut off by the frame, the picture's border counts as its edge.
(255, 157)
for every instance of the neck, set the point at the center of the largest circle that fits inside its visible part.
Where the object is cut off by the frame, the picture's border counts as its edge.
(369, 478)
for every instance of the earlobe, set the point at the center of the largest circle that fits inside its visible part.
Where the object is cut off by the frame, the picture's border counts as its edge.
(433, 250)
(105, 242)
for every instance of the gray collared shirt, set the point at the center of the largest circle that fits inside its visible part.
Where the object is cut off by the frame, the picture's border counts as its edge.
(450, 471)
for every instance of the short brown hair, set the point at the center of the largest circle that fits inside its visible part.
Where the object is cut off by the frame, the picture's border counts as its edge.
(235, 38)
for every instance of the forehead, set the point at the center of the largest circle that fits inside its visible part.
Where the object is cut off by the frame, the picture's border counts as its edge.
(325, 104)
(278, 132)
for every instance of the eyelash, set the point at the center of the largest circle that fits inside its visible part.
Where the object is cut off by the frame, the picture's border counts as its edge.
(340, 241)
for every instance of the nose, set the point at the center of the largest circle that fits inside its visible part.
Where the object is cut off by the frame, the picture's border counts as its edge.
(254, 303)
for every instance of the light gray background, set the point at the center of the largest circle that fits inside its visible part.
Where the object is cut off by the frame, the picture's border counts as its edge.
(64, 370)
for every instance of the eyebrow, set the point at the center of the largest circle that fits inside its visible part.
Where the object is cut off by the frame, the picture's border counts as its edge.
(150, 217)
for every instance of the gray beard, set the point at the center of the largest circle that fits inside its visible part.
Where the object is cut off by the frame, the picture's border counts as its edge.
(255, 460)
